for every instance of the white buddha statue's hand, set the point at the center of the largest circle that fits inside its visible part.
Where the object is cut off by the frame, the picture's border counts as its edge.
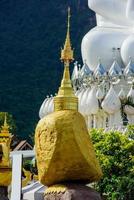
(112, 10)
(130, 10)
(114, 33)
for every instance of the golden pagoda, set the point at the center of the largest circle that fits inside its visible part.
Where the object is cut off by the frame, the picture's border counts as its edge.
(64, 150)
(5, 142)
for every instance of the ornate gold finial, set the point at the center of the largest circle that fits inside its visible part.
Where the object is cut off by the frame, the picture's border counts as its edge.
(66, 99)
(67, 52)
(5, 127)
(5, 121)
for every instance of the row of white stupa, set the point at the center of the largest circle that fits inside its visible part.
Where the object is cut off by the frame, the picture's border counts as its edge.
(101, 108)
(100, 71)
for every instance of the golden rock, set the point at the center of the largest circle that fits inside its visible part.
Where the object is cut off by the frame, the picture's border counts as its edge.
(64, 150)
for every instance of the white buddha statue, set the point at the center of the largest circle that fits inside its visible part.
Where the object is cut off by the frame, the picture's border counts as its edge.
(114, 34)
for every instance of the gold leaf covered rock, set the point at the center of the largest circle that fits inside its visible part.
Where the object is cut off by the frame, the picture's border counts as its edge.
(64, 150)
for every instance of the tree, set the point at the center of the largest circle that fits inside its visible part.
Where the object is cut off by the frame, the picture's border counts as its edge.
(115, 152)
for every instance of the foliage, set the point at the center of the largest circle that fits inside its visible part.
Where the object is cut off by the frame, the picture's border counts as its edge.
(27, 164)
(115, 152)
(130, 102)
(30, 165)
(130, 131)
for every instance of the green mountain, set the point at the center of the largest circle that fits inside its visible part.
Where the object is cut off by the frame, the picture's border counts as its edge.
(31, 35)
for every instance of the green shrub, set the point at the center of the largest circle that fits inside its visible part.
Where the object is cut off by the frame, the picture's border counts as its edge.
(115, 151)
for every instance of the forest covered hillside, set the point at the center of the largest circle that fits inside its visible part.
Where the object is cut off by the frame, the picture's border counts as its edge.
(31, 35)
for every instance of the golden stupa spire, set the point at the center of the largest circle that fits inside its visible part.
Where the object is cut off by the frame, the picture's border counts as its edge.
(66, 99)
(5, 127)
(67, 52)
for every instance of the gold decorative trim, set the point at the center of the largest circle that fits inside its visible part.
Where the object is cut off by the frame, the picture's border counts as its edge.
(56, 189)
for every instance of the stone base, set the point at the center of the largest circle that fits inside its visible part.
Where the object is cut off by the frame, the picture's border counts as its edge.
(3, 193)
(71, 192)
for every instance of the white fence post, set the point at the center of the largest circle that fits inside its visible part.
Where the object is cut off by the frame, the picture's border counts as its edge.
(16, 185)
(16, 177)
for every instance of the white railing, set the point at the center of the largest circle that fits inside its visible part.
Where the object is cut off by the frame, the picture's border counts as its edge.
(17, 158)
